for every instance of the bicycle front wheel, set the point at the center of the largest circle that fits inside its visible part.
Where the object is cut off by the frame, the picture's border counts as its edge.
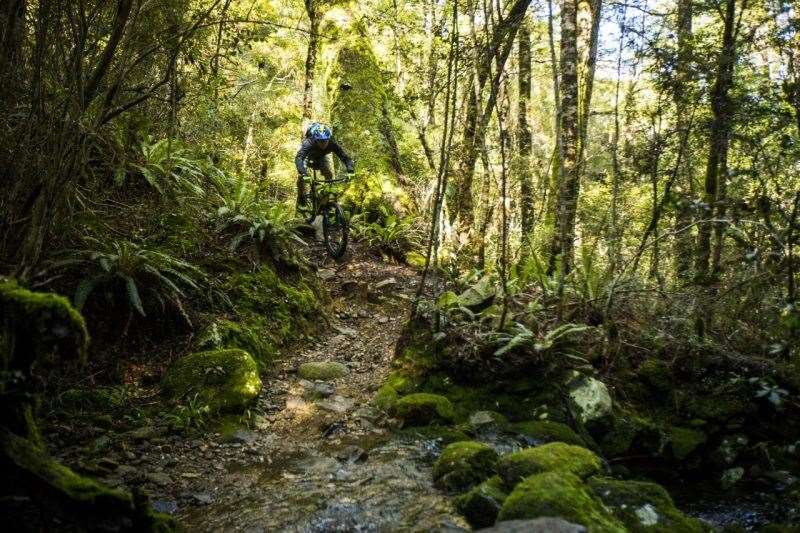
(334, 229)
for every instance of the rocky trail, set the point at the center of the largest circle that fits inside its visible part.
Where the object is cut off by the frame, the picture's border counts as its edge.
(316, 456)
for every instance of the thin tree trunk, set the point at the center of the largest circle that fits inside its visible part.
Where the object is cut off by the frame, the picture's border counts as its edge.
(562, 245)
(588, 82)
(524, 146)
(614, 247)
(681, 84)
(311, 59)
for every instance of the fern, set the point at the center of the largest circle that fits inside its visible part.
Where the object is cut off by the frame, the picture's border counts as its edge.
(521, 336)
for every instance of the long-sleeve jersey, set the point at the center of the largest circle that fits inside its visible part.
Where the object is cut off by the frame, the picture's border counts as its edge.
(310, 151)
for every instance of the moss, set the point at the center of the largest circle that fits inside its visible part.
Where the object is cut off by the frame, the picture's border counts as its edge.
(248, 337)
(36, 325)
(684, 441)
(721, 407)
(631, 433)
(555, 456)
(360, 116)
(30, 466)
(643, 506)
(657, 374)
(385, 397)
(446, 435)
(323, 370)
(464, 464)
(224, 380)
(481, 504)
(401, 383)
(422, 408)
(487, 422)
(543, 431)
(415, 259)
(559, 494)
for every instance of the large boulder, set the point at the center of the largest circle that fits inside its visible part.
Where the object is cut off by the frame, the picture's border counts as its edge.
(223, 380)
(422, 408)
(589, 399)
(464, 464)
(479, 295)
(643, 506)
(552, 457)
(559, 494)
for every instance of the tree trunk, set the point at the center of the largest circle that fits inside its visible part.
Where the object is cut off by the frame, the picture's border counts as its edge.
(716, 167)
(563, 242)
(311, 59)
(524, 138)
(685, 181)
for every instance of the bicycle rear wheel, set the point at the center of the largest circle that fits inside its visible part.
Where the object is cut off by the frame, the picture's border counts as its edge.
(334, 229)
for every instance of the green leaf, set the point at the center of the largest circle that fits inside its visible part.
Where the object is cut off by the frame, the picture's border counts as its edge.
(133, 295)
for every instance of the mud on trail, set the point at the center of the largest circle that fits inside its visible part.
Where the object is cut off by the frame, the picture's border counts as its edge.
(317, 456)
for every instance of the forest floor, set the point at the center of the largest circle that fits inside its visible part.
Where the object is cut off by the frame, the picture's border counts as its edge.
(316, 456)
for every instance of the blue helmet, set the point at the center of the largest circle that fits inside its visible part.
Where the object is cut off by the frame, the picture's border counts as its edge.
(319, 132)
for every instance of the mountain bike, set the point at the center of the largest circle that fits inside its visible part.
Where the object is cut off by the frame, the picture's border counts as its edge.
(323, 201)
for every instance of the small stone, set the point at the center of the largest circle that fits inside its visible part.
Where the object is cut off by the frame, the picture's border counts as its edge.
(344, 330)
(383, 320)
(322, 370)
(168, 506)
(202, 498)
(107, 463)
(337, 404)
(326, 273)
(159, 478)
(351, 454)
(386, 285)
(730, 477)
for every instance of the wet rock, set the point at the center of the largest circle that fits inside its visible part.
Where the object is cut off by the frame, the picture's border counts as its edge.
(555, 456)
(164, 505)
(317, 389)
(351, 454)
(202, 498)
(100, 444)
(144, 433)
(344, 330)
(537, 525)
(322, 370)
(421, 409)
(337, 404)
(464, 464)
(589, 399)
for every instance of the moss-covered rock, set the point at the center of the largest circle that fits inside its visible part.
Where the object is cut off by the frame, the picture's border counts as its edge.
(559, 494)
(555, 456)
(544, 431)
(684, 441)
(323, 370)
(643, 506)
(589, 399)
(385, 397)
(422, 408)
(224, 380)
(630, 433)
(657, 375)
(34, 325)
(248, 337)
(485, 422)
(464, 464)
(57, 489)
(482, 503)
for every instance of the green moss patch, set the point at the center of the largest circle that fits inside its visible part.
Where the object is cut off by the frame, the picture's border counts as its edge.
(248, 337)
(224, 380)
(323, 370)
(684, 441)
(481, 505)
(423, 408)
(464, 464)
(555, 456)
(544, 431)
(559, 494)
(446, 435)
(643, 506)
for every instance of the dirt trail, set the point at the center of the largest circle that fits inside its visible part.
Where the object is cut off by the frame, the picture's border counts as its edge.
(317, 457)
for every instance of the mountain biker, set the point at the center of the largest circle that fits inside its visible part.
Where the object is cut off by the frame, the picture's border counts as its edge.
(316, 145)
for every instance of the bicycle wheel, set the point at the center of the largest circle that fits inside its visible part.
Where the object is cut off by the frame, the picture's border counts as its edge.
(334, 228)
